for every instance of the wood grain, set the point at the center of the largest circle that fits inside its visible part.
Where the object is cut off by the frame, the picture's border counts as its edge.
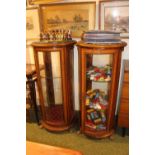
(84, 50)
(42, 149)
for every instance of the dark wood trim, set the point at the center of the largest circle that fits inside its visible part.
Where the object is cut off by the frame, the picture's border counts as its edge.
(49, 82)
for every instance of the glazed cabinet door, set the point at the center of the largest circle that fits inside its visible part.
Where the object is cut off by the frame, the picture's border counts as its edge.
(50, 79)
(96, 79)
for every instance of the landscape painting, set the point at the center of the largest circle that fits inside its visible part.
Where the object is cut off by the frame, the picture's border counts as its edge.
(32, 24)
(114, 16)
(117, 19)
(74, 17)
(29, 23)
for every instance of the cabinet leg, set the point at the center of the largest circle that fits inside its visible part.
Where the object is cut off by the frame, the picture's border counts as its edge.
(41, 126)
(123, 132)
(111, 137)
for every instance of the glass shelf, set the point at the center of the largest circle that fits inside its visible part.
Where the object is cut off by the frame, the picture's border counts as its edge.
(50, 78)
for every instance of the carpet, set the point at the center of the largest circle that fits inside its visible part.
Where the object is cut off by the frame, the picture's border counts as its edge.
(72, 140)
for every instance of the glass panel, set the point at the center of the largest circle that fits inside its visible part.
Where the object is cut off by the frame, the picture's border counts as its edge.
(98, 82)
(51, 82)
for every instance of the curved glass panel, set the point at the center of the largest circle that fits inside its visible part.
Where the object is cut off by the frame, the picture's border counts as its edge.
(98, 84)
(51, 82)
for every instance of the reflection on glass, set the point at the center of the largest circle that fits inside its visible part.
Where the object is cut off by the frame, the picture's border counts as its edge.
(51, 85)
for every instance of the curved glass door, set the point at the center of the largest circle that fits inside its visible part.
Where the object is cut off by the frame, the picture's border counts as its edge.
(51, 83)
(98, 84)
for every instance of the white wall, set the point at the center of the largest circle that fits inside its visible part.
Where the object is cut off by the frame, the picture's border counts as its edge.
(125, 55)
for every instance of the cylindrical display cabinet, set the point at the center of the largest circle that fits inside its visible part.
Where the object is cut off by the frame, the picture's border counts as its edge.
(55, 83)
(99, 69)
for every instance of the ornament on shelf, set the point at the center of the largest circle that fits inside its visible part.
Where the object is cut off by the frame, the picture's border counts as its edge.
(96, 106)
(100, 73)
(56, 35)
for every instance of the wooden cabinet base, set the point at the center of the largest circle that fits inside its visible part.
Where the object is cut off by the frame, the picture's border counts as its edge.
(55, 128)
(98, 134)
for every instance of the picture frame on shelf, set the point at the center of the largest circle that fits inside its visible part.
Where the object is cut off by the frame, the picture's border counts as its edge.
(114, 16)
(77, 17)
(32, 24)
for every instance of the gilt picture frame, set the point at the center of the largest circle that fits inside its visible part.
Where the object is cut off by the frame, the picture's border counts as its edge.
(77, 17)
(32, 23)
(37, 2)
(114, 16)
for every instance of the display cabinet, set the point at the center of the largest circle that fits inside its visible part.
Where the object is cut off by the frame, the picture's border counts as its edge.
(55, 83)
(99, 69)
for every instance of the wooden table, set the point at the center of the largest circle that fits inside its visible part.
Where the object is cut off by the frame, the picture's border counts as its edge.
(31, 79)
(42, 149)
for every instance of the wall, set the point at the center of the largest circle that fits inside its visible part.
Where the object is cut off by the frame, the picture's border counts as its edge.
(125, 55)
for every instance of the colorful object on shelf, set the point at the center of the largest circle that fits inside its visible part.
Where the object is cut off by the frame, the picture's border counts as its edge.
(56, 35)
(96, 99)
(96, 106)
(100, 73)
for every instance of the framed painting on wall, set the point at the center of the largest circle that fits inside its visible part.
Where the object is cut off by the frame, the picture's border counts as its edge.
(77, 17)
(33, 2)
(114, 16)
(32, 24)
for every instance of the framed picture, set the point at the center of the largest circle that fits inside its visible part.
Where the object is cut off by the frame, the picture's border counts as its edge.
(32, 24)
(33, 2)
(77, 17)
(114, 16)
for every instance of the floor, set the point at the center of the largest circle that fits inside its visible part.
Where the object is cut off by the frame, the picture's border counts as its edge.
(73, 140)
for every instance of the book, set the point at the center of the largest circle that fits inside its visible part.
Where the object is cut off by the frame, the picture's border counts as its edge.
(101, 37)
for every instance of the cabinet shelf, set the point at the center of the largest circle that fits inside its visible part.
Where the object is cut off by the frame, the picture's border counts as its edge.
(50, 78)
(101, 81)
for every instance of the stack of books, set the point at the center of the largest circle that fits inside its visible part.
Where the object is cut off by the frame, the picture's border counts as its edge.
(101, 37)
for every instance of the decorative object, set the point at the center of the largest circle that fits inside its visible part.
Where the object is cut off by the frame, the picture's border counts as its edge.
(114, 16)
(56, 36)
(98, 86)
(77, 17)
(32, 23)
(55, 83)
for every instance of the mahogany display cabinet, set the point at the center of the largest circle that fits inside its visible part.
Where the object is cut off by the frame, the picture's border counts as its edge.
(55, 83)
(99, 69)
